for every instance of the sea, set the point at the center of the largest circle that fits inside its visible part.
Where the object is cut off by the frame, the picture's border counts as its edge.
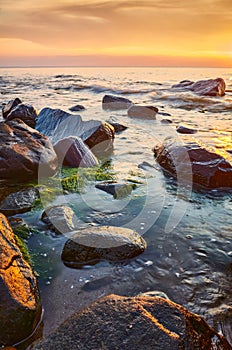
(188, 233)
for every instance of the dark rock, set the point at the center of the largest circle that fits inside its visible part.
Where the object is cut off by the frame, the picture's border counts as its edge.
(72, 152)
(164, 114)
(20, 306)
(59, 219)
(93, 244)
(116, 189)
(115, 102)
(143, 112)
(138, 323)
(24, 112)
(166, 121)
(185, 130)
(117, 126)
(209, 169)
(77, 108)
(19, 202)
(9, 106)
(24, 152)
(57, 124)
(210, 87)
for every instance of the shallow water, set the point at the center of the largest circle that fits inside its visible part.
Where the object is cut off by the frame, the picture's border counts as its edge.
(189, 253)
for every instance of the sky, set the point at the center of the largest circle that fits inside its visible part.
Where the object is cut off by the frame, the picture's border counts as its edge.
(116, 32)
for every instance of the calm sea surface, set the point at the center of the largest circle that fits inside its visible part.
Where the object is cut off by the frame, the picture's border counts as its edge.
(189, 253)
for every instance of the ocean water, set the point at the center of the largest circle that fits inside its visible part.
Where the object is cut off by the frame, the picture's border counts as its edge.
(189, 253)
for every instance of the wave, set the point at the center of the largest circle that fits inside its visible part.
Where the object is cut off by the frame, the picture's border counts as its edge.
(190, 101)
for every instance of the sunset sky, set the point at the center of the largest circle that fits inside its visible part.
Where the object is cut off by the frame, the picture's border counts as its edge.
(116, 32)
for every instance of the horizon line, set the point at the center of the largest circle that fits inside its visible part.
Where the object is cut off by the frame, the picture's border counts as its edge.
(113, 66)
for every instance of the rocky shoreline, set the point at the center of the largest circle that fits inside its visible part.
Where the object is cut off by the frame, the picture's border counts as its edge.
(36, 146)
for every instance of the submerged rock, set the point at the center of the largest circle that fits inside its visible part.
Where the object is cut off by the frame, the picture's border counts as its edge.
(26, 113)
(185, 130)
(24, 152)
(118, 190)
(59, 219)
(72, 152)
(19, 202)
(143, 112)
(210, 87)
(20, 305)
(77, 108)
(115, 102)
(9, 106)
(125, 323)
(57, 125)
(93, 244)
(192, 161)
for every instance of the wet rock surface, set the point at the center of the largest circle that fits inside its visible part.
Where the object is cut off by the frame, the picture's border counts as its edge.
(118, 190)
(20, 306)
(192, 162)
(19, 202)
(57, 125)
(117, 322)
(93, 244)
(210, 87)
(112, 102)
(25, 112)
(10, 106)
(143, 112)
(118, 127)
(59, 219)
(72, 152)
(24, 152)
(185, 130)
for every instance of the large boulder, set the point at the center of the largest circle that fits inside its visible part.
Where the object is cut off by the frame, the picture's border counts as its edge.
(25, 112)
(72, 152)
(57, 125)
(90, 245)
(210, 87)
(206, 168)
(138, 323)
(9, 106)
(59, 218)
(143, 112)
(112, 102)
(19, 202)
(20, 305)
(24, 152)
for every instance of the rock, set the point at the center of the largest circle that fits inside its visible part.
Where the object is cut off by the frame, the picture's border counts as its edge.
(93, 244)
(77, 108)
(20, 305)
(59, 218)
(126, 323)
(116, 189)
(72, 152)
(19, 202)
(57, 125)
(166, 121)
(210, 87)
(143, 112)
(117, 126)
(24, 152)
(164, 114)
(185, 130)
(26, 113)
(9, 106)
(115, 102)
(209, 169)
